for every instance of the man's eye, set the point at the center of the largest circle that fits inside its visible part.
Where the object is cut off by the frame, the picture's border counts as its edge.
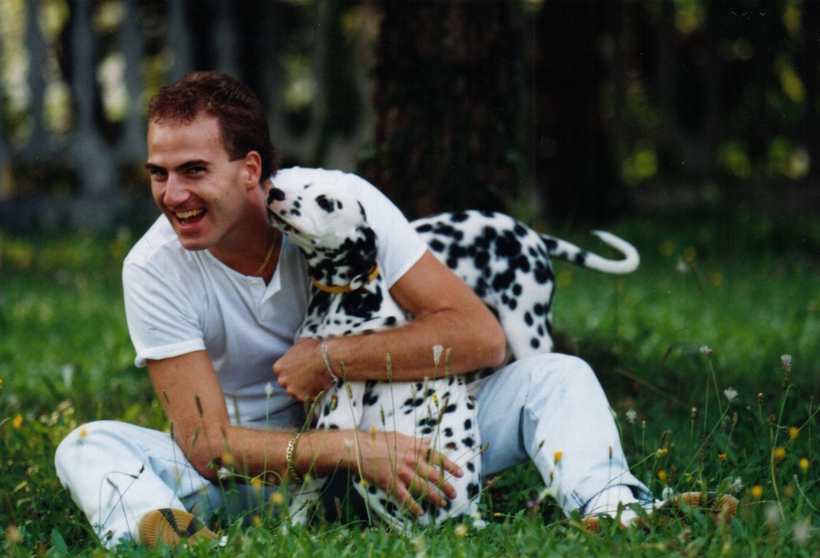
(196, 170)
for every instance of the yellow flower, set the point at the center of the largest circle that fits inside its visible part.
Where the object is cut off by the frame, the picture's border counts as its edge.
(1, 383)
(662, 451)
(779, 454)
(373, 430)
(363, 482)
(557, 457)
(256, 482)
(757, 491)
(227, 460)
(662, 475)
(804, 464)
(277, 498)
(722, 456)
(83, 432)
(793, 432)
(461, 530)
(18, 421)
(257, 521)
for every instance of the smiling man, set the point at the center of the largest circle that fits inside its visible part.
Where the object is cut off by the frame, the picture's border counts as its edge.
(213, 297)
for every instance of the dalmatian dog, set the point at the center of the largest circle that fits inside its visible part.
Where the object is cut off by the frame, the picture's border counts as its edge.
(508, 265)
(349, 296)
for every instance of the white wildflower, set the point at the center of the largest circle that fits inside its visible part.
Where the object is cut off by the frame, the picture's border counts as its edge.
(668, 493)
(787, 363)
(269, 389)
(461, 530)
(802, 532)
(631, 415)
(437, 350)
(223, 473)
(736, 487)
(730, 394)
(707, 351)
(681, 266)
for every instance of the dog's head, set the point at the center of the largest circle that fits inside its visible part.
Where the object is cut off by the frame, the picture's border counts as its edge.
(326, 221)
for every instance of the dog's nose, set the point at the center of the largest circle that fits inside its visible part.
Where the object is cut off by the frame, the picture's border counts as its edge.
(276, 194)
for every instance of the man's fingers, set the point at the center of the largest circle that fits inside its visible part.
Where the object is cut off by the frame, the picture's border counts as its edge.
(404, 496)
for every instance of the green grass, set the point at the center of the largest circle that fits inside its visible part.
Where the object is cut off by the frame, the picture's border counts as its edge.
(749, 290)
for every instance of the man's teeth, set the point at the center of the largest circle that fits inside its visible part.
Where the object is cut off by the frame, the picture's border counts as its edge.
(188, 214)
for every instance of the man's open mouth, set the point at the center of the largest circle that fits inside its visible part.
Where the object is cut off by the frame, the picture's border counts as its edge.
(188, 217)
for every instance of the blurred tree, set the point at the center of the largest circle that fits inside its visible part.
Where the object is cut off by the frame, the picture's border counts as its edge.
(574, 165)
(447, 94)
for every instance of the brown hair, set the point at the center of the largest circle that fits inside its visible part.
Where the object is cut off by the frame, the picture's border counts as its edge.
(242, 121)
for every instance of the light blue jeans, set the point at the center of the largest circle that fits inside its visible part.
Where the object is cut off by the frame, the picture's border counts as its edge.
(546, 408)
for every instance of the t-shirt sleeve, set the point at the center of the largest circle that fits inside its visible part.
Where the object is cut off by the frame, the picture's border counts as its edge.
(400, 246)
(161, 320)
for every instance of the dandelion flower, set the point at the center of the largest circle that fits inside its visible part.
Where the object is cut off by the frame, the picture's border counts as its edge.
(662, 451)
(780, 454)
(787, 363)
(793, 432)
(757, 491)
(557, 457)
(631, 415)
(804, 464)
(707, 351)
(18, 421)
(277, 498)
(730, 394)
(461, 530)
(257, 483)
(257, 521)
(662, 475)
(13, 535)
(722, 456)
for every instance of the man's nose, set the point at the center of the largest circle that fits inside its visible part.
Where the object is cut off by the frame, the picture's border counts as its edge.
(175, 191)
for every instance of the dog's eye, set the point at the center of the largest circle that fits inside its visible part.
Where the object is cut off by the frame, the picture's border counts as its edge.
(325, 203)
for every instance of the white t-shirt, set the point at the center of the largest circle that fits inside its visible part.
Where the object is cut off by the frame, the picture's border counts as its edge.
(179, 301)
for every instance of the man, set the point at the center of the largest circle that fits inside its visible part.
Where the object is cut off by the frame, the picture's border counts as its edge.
(213, 297)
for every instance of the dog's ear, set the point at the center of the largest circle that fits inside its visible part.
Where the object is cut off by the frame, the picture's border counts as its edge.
(363, 255)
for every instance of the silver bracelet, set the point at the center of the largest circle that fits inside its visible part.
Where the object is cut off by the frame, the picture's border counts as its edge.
(327, 363)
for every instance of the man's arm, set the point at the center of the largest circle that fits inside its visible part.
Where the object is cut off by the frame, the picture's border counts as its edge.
(192, 396)
(447, 313)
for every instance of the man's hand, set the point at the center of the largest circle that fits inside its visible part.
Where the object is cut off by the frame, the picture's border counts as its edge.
(407, 468)
(302, 371)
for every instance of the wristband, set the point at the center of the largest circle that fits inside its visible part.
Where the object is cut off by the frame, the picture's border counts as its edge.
(292, 472)
(327, 363)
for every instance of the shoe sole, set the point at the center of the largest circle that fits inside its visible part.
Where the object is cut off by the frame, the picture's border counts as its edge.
(722, 509)
(170, 527)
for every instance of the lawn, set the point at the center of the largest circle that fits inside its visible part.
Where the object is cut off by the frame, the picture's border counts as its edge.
(730, 418)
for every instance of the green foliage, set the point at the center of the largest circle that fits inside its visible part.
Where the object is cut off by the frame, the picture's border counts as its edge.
(746, 289)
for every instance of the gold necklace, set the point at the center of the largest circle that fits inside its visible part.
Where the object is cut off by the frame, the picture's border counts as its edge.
(267, 258)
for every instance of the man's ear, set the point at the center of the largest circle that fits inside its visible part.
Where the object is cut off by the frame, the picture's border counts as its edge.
(253, 169)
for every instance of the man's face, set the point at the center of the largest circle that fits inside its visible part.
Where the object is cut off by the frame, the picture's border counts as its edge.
(199, 190)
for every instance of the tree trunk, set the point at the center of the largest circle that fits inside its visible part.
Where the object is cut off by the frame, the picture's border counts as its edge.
(447, 97)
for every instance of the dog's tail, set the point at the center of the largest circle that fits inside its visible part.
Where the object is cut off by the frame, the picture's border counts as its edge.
(563, 250)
